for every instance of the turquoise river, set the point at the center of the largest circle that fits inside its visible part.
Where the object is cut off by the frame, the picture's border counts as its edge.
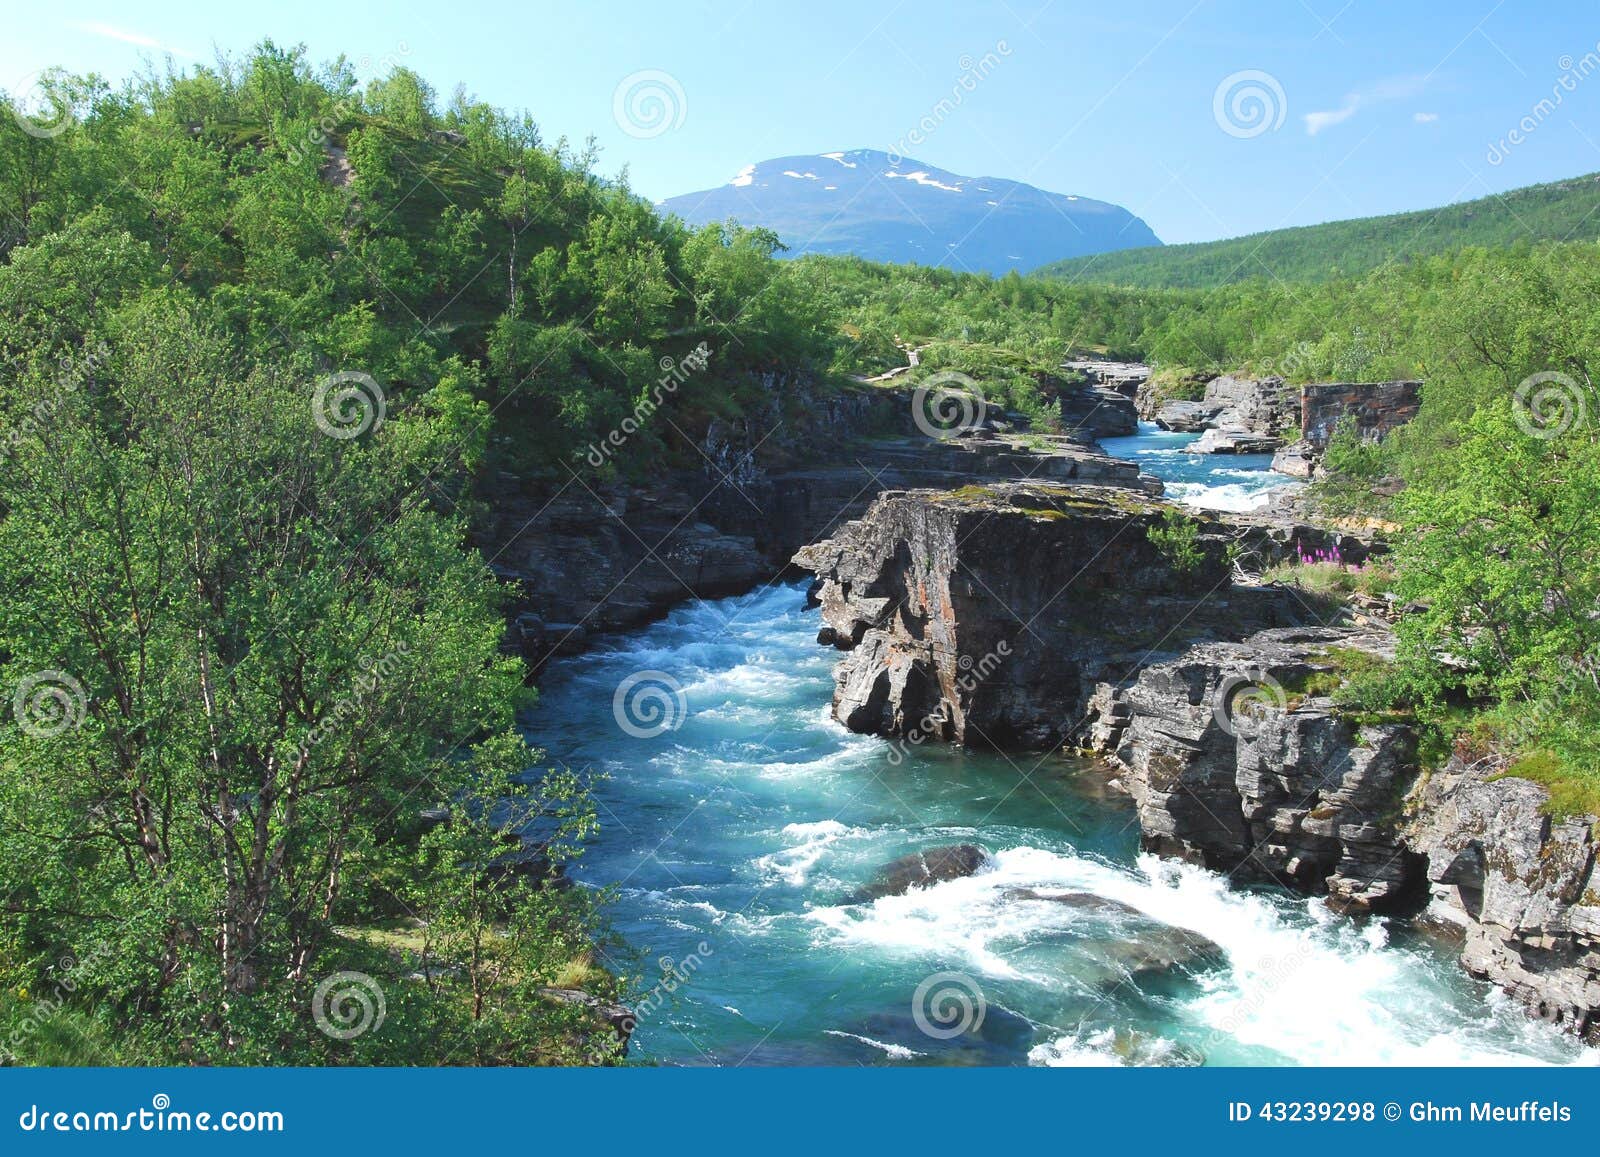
(738, 819)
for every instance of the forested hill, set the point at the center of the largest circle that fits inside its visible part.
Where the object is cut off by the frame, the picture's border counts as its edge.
(326, 225)
(1559, 211)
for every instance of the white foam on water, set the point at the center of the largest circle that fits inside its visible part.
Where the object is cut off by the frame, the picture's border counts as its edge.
(1078, 1052)
(1107, 1048)
(1232, 496)
(1299, 984)
(809, 843)
(1322, 990)
(1310, 986)
(899, 1052)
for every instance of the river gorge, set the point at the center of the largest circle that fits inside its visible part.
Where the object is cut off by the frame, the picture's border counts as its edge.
(743, 828)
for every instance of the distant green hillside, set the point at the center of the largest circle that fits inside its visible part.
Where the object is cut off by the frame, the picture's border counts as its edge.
(1560, 211)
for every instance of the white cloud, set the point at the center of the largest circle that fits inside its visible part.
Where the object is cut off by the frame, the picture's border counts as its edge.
(1396, 88)
(1317, 121)
(137, 39)
(1425, 118)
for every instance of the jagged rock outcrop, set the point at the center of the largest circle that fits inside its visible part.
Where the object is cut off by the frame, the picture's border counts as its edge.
(1232, 764)
(1125, 378)
(1251, 415)
(1371, 408)
(1520, 884)
(1235, 441)
(1094, 412)
(1298, 460)
(1186, 417)
(1022, 615)
(984, 616)
(1265, 406)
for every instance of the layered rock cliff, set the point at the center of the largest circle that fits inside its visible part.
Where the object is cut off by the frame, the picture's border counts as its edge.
(985, 616)
(1254, 415)
(1520, 885)
(1233, 765)
(1261, 406)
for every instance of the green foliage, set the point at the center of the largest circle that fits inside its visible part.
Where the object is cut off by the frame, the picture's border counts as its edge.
(1504, 558)
(1572, 780)
(1561, 211)
(255, 652)
(1177, 537)
(1331, 578)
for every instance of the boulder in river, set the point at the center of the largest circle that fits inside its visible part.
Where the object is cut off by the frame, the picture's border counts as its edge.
(1185, 417)
(922, 870)
(1143, 945)
(1235, 441)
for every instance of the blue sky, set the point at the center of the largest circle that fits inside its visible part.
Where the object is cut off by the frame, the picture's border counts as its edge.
(1370, 106)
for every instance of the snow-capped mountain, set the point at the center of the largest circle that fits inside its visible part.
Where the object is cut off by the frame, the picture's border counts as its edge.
(864, 203)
